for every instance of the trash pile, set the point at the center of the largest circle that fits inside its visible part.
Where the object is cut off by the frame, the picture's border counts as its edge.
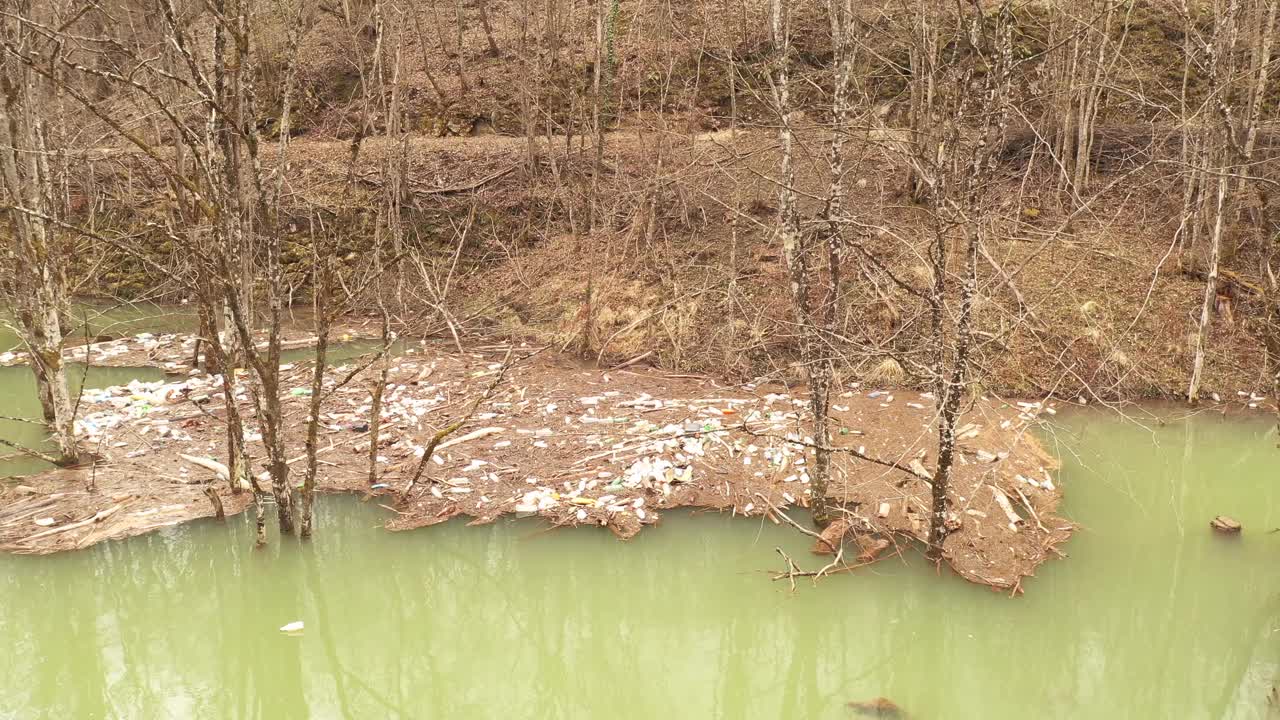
(145, 411)
(571, 446)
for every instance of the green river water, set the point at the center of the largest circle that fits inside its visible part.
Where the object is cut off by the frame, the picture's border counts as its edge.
(1152, 616)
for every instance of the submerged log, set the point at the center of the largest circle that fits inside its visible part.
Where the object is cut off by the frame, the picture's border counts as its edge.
(1226, 525)
(832, 536)
(878, 707)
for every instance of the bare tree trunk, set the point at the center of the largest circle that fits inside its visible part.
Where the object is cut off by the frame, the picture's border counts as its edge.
(1225, 153)
(426, 56)
(37, 283)
(840, 14)
(237, 459)
(526, 105)
(461, 72)
(957, 204)
(322, 290)
(597, 127)
(794, 247)
(1210, 292)
(488, 29)
(924, 69)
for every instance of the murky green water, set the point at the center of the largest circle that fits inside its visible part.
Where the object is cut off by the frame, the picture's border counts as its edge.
(110, 319)
(18, 388)
(18, 400)
(1151, 617)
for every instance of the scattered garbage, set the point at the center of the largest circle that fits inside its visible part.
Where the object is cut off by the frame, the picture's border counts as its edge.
(573, 446)
(292, 628)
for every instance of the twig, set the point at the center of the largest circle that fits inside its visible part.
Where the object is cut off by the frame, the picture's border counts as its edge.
(632, 361)
(476, 185)
(32, 421)
(792, 570)
(786, 517)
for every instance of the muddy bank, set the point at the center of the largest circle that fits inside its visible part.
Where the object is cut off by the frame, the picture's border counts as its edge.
(573, 446)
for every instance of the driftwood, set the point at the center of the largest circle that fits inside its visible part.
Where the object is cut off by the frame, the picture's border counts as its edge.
(212, 494)
(1228, 280)
(217, 468)
(878, 707)
(474, 435)
(1226, 525)
(95, 518)
(1003, 501)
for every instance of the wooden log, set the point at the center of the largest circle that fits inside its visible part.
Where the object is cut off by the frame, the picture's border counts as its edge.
(96, 517)
(1003, 501)
(222, 471)
(474, 435)
(1226, 525)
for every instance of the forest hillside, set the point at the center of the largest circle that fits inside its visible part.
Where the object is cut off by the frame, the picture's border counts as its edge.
(604, 177)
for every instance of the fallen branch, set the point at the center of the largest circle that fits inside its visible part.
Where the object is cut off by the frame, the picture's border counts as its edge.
(1003, 501)
(217, 468)
(473, 435)
(764, 499)
(96, 517)
(632, 361)
(332, 445)
(31, 453)
(919, 472)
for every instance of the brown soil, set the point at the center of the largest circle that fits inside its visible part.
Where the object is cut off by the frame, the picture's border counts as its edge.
(687, 268)
(566, 443)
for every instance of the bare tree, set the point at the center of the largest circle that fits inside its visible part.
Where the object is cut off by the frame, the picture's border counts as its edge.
(814, 325)
(953, 158)
(34, 282)
(1237, 72)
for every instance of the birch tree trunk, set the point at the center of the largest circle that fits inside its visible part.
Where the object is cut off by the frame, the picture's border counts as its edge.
(795, 250)
(1210, 291)
(1226, 154)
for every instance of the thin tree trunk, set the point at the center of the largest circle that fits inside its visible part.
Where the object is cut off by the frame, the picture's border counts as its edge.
(322, 291)
(1210, 293)
(488, 29)
(794, 246)
(964, 210)
(38, 283)
(375, 407)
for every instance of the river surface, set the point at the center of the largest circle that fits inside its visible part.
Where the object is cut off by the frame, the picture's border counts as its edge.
(1152, 616)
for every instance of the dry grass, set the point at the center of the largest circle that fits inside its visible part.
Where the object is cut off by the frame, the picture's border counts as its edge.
(886, 373)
